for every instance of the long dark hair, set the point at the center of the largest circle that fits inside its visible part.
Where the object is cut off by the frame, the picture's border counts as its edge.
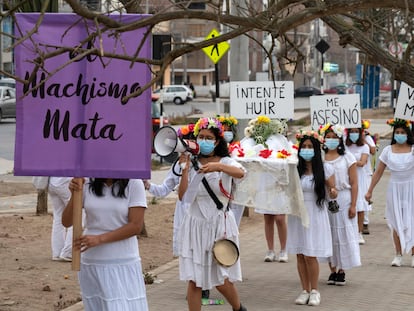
(317, 169)
(410, 138)
(221, 149)
(96, 185)
(360, 142)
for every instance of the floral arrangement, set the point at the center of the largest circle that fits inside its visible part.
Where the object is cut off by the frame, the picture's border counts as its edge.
(337, 129)
(309, 133)
(262, 127)
(185, 130)
(399, 122)
(283, 154)
(230, 121)
(365, 124)
(208, 123)
(236, 150)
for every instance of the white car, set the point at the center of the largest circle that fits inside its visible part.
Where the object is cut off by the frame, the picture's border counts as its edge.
(177, 94)
(7, 102)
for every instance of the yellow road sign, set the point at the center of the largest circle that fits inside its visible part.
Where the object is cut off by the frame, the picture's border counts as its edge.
(216, 51)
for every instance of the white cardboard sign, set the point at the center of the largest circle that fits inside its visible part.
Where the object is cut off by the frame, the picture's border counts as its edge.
(274, 99)
(405, 103)
(335, 109)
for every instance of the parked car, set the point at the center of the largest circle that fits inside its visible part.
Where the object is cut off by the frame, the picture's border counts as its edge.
(8, 82)
(7, 102)
(340, 89)
(306, 91)
(177, 94)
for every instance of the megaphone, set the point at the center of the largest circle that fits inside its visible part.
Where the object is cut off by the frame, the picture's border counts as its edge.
(166, 142)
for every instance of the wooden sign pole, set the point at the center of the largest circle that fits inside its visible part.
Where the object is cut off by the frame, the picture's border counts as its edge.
(77, 226)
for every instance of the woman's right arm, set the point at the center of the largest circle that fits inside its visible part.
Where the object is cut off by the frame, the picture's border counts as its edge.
(375, 179)
(76, 184)
(183, 185)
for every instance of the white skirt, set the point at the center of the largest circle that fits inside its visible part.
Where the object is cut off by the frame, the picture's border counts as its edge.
(112, 286)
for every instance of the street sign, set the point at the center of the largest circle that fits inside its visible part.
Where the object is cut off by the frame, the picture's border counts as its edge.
(216, 51)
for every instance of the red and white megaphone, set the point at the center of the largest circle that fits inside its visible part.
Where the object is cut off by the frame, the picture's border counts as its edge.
(166, 142)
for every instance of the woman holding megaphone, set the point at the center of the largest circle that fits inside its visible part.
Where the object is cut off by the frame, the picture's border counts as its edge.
(205, 185)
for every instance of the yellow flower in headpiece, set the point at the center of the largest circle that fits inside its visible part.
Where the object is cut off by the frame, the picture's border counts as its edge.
(365, 124)
(399, 122)
(263, 120)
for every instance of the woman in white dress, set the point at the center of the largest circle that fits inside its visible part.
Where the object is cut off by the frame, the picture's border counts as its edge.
(313, 241)
(356, 145)
(399, 158)
(344, 226)
(204, 223)
(110, 275)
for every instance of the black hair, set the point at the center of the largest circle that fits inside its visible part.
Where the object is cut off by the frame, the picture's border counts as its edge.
(317, 169)
(340, 149)
(96, 186)
(221, 149)
(360, 142)
(410, 138)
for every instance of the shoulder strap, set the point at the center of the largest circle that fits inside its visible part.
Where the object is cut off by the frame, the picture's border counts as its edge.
(212, 194)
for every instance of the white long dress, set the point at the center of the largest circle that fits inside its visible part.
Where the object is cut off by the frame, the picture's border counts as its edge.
(345, 245)
(110, 275)
(202, 225)
(363, 178)
(314, 240)
(169, 184)
(400, 195)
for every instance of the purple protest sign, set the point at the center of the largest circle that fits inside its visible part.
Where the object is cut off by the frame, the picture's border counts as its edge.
(76, 123)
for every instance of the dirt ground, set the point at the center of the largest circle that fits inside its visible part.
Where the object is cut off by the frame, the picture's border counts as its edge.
(30, 280)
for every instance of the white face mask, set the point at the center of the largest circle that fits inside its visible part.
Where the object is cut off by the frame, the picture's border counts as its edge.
(228, 136)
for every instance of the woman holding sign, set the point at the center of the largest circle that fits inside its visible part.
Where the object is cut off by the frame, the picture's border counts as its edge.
(344, 226)
(110, 275)
(399, 158)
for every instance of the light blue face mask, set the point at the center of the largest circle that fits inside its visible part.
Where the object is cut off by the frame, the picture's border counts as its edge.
(400, 138)
(228, 136)
(354, 137)
(206, 146)
(331, 143)
(307, 154)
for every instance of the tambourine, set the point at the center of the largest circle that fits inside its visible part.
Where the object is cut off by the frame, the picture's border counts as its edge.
(225, 252)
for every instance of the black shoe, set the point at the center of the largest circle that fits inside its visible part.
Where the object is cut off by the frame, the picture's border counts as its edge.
(365, 229)
(332, 278)
(241, 308)
(340, 279)
(205, 294)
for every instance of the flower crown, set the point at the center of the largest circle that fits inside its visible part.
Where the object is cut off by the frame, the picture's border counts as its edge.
(208, 123)
(399, 122)
(185, 130)
(337, 129)
(230, 121)
(365, 124)
(309, 133)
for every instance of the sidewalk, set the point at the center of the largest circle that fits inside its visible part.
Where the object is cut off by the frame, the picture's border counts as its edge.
(274, 286)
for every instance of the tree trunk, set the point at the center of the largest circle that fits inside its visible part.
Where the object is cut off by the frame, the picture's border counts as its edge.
(41, 208)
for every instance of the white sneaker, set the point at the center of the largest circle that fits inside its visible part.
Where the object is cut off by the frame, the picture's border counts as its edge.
(412, 261)
(397, 261)
(303, 298)
(283, 256)
(361, 239)
(270, 256)
(314, 298)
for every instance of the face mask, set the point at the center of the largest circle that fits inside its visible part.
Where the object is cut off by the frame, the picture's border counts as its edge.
(400, 138)
(228, 136)
(307, 154)
(332, 143)
(354, 137)
(206, 146)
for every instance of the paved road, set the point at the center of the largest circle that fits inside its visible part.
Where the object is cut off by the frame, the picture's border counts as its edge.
(274, 286)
